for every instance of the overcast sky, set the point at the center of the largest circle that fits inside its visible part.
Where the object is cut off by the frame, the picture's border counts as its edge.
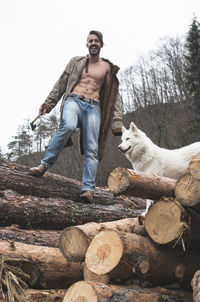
(39, 37)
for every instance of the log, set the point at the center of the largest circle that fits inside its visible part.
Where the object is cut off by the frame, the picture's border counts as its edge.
(97, 292)
(74, 241)
(167, 221)
(46, 265)
(33, 295)
(187, 191)
(133, 183)
(35, 237)
(128, 255)
(17, 178)
(88, 275)
(196, 286)
(194, 166)
(31, 212)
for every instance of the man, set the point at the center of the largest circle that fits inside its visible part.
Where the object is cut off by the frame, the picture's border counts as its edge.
(89, 88)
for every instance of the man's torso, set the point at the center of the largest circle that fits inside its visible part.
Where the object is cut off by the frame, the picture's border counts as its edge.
(92, 79)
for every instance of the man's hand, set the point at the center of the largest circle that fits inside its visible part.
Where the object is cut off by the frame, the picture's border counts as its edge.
(117, 131)
(43, 109)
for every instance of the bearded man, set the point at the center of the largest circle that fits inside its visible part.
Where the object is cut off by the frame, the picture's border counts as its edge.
(91, 102)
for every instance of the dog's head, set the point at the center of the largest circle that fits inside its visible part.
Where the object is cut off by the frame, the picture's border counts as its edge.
(130, 138)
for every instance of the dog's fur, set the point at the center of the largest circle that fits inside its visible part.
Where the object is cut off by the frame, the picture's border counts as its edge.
(147, 157)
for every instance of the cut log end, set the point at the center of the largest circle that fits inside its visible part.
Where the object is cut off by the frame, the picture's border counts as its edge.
(104, 252)
(187, 190)
(81, 292)
(180, 271)
(194, 166)
(118, 181)
(163, 221)
(144, 267)
(73, 244)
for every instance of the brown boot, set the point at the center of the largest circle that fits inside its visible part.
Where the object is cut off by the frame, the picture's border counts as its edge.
(86, 196)
(38, 171)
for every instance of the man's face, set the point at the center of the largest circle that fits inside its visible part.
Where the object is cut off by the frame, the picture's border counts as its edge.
(93, 45)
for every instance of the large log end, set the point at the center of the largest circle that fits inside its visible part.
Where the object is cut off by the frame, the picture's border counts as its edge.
(118, 181)
(163, 222)
(73, 244)
(81, 291)
(187, 190)
(104, 252)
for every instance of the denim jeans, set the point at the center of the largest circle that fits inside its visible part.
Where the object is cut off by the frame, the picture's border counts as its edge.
(78, 114)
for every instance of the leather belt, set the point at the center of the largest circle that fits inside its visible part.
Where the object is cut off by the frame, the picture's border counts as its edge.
(84, 98)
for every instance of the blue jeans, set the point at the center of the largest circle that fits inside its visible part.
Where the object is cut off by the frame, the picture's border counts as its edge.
(78, 114)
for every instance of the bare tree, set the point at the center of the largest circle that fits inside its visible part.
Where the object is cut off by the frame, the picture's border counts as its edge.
(157, 78)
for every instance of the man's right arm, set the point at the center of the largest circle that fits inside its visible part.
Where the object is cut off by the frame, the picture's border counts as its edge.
(57, 91)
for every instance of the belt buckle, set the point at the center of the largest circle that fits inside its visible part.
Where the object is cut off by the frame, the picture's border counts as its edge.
(81, 97)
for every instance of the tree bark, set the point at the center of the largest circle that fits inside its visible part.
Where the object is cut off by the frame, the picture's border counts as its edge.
(187, 191)
(196, 286)
(35, 237)
(129, 255)
(97, 292)
(167, 221)
(31, 212)
(134, 183)
(74, 241)
(16, 177)
(33, 295)
(46, 265)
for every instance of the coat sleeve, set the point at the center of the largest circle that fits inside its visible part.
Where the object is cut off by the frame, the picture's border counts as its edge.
(117, 122)
(58, 89)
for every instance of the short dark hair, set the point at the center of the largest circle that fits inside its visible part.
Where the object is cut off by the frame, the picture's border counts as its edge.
(98, 34)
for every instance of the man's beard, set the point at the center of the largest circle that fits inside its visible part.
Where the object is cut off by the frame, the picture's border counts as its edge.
(94, 54)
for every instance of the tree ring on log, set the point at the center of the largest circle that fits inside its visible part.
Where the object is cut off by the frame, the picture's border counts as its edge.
(81, 291)
(73, 244)
(164, 221)
(118, 181)
(188, 190)
(104, 252)
(194, 166)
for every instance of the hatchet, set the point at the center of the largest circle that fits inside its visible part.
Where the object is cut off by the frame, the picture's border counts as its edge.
(33, 126)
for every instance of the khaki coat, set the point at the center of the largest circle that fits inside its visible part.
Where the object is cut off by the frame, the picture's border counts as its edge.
(111, 106)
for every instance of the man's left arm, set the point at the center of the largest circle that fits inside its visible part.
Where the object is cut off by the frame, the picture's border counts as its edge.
(117, 112)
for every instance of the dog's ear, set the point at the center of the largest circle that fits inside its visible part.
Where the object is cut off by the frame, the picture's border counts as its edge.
(123, 129)
(133, 127)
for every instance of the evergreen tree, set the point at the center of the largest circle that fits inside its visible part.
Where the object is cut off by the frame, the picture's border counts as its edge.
(21, 144)
(192, 58)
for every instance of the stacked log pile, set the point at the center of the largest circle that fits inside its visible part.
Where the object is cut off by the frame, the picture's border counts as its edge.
(65, 250)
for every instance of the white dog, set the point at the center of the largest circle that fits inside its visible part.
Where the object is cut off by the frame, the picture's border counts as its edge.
(147, 157)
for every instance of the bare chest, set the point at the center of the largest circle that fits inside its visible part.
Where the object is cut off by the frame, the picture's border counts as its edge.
(96, 72)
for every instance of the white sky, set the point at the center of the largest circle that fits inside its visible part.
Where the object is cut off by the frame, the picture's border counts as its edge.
(39, 37)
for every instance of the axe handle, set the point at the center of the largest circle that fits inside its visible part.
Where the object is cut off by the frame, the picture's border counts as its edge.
(36, 118)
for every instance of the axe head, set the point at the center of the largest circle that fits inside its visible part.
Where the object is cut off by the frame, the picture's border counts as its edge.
(33, 126)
